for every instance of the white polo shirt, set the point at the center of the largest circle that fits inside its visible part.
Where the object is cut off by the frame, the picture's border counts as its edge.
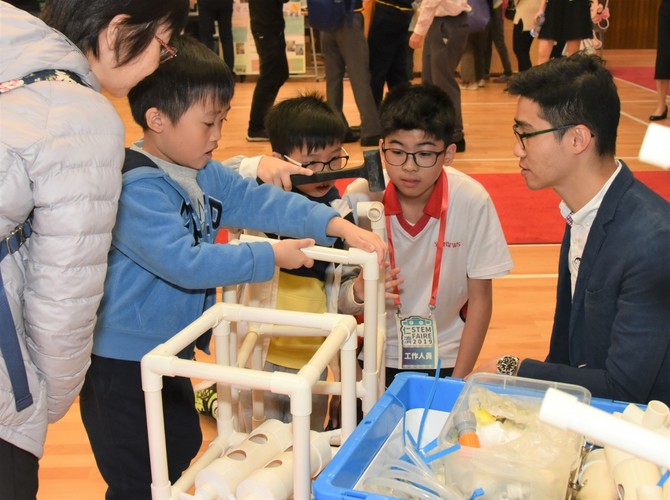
(474, 246)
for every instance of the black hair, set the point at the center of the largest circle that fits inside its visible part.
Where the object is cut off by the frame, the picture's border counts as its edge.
(82, 21)
(195, 75)
(574, 90)
(303, 121)
(423, 107)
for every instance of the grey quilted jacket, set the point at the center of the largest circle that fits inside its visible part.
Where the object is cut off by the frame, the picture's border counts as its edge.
(61, 151)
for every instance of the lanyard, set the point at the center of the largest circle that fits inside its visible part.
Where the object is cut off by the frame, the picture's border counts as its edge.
(438, 254)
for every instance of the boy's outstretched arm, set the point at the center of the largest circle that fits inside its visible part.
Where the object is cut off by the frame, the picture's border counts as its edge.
(288, 254)
(357, 237)
(480, 307)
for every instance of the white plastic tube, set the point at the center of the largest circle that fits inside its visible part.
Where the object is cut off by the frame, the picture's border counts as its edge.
(224, 474)
(564, 411)
(275, 480)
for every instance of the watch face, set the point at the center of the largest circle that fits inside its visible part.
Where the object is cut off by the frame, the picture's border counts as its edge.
(507, 365)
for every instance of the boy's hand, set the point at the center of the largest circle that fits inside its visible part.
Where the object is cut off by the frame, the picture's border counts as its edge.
(391, 281)
(289, 256)
(274, 170)
(357, 237)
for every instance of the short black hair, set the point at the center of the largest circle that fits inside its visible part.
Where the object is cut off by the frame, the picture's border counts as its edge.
(195, 75)
(82, 21)
(304, 121)
(423, 107)
(574, 90)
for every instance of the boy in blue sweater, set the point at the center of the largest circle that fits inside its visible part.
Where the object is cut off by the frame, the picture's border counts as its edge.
(164, 266)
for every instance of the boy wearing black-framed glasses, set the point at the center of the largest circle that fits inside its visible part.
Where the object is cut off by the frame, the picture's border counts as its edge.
(444, 238)
(306, 132)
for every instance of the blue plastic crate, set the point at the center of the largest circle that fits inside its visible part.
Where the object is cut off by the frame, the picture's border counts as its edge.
(338, 479)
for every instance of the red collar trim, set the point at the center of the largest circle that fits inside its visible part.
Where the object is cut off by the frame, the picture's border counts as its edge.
(431, 209)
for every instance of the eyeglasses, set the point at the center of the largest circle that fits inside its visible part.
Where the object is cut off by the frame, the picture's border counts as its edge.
(521, 137)
(167, 52)
(335, 163)
(423, 159)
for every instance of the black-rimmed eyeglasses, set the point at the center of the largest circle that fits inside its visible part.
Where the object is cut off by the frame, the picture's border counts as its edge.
(520, 137)
(167, 52)
(335, 163)
(423, 159)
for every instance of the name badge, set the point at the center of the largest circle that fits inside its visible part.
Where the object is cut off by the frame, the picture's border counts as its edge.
(417, 342)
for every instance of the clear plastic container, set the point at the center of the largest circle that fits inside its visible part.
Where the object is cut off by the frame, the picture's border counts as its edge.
(519, 457)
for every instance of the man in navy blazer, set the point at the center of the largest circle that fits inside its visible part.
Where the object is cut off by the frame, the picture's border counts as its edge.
(611, 330)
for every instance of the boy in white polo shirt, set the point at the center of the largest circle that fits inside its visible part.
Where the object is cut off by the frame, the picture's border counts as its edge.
(444, 300)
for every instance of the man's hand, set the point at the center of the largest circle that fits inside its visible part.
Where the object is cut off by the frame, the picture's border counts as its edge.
(357, 237)
(289, 256)
(274, 170)
(391, 281)
(416, 41)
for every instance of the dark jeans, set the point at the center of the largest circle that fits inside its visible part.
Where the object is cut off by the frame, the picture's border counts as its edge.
(271, 48)
(496, 36)
(220, 11)
(114, 415)
(18, 473)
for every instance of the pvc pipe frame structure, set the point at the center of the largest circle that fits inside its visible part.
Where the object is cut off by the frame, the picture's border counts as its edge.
(564, 411)
(163, 361)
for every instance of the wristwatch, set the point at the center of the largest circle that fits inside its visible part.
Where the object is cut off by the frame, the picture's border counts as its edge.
(507, 365)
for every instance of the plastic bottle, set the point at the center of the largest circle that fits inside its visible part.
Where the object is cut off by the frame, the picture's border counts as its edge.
(535, 30)
(466, 426)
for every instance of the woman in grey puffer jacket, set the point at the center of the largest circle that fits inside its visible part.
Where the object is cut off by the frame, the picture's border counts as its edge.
(61, 152)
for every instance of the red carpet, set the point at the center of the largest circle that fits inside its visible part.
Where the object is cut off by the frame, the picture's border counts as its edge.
(643, 76)
(533, 216)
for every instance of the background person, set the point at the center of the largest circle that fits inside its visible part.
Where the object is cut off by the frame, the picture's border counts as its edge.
(662, 68)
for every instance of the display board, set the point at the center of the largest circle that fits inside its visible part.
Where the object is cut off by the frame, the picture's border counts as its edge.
(246, 57)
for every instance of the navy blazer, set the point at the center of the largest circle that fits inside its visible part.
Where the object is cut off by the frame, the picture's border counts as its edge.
(613, 336)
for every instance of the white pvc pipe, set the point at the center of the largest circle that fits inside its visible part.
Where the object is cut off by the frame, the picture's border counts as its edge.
(225, 474)
(163, 361)
(564, 411)
(275, 480)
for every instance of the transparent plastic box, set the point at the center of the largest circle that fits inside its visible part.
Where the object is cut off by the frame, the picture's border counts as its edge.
(518, 455)
(374, 438)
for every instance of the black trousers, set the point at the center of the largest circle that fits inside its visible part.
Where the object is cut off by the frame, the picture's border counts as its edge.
(18, 473)
(113, 412)
(387, 43)
(220, 11)
(271, 48)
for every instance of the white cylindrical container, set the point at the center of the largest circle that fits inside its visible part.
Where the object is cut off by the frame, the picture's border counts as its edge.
(224, 474)
(275, 480)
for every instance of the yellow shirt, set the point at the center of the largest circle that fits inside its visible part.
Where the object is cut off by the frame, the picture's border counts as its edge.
(304, 294)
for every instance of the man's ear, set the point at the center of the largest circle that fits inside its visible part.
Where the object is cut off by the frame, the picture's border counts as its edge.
(581, 138)
(155, 120)
(278, 155)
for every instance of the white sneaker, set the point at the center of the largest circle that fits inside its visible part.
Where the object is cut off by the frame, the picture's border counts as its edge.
(481, 83)
(469, 86)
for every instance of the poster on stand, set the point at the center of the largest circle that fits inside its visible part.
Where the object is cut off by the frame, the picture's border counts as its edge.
(246, 57)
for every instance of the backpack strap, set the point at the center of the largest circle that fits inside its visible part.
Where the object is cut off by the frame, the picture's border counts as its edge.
(46, 75)
(9, 341)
